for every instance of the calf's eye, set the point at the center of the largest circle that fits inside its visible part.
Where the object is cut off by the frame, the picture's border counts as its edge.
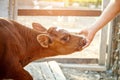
(65, 38)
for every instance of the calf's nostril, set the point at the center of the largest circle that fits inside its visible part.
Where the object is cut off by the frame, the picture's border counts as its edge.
(84, 42)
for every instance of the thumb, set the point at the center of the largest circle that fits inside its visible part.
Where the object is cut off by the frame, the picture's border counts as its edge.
(87, 44)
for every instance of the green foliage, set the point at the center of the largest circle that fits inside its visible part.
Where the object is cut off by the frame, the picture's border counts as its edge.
(87, 1)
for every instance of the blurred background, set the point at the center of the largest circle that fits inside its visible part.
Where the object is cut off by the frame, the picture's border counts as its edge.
(49, 4)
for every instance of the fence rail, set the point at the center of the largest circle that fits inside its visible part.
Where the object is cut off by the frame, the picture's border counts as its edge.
(57, 12)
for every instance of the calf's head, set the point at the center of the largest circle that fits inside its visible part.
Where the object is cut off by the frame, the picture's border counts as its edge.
(59, 40)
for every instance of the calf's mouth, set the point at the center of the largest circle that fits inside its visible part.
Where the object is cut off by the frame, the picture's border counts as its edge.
(82, 42)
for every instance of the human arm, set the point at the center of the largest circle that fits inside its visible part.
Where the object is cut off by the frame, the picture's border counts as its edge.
(108, 14)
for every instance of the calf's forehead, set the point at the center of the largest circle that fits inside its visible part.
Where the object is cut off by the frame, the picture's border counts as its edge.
(65, 32)
(61, 33)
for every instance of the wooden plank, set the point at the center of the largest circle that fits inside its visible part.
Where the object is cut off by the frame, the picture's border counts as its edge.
(72, 60)
(56, 70)
(46, 72)
(91, 67)
(13, 9)
(57, 12)
(103, 46)
(110, 43)
(34, 70)
(113, 44)
(38, 69)
(103, 40)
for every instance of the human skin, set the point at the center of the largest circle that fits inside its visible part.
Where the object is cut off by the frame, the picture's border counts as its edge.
(107, 15)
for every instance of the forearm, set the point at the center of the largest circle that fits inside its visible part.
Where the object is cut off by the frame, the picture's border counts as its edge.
(108, 14)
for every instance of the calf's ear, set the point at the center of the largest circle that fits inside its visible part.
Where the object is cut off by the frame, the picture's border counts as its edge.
(38, 27)
(44, 40)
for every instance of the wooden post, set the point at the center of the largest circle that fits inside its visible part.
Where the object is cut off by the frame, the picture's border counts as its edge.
(109, 52)
(103, 41)
(115, 23)
(13, 9)
(8, 9)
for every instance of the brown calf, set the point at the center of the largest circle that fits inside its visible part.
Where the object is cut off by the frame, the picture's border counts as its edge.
(20, 45)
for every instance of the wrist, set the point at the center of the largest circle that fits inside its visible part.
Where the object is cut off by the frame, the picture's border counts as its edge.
(93, 30)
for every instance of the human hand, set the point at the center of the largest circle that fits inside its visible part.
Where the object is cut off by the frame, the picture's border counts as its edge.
(89, 35)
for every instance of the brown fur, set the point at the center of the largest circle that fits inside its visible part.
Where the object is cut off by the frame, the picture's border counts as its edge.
(20, 45)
